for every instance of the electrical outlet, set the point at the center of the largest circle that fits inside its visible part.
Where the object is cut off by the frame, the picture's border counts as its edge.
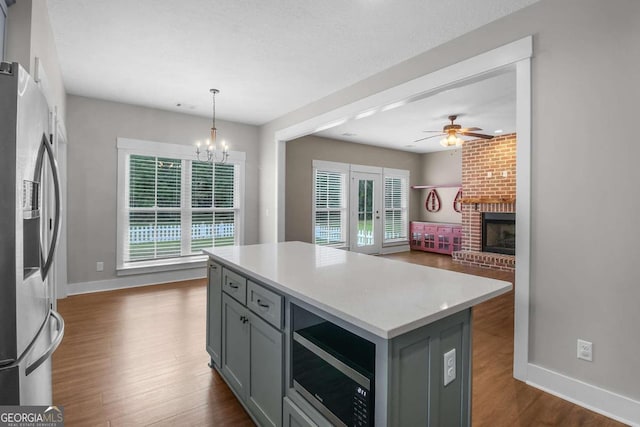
(449, 366)
(585, 350)
(99, 266)
(505, 174)
(489, 174)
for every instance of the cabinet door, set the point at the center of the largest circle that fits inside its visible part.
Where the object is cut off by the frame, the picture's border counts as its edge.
(265, 391)
(294, 417)
(214, 310)
(457, 239)
(445, 240)
(430, 237)
(235, 345)
(416, 231)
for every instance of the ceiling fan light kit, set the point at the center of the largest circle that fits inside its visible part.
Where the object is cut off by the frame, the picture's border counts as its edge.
(452, 133)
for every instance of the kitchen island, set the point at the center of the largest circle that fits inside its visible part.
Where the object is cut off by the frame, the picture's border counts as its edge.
(398, 334)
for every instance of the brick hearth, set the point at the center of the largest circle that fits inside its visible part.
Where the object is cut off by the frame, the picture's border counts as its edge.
(483, 165)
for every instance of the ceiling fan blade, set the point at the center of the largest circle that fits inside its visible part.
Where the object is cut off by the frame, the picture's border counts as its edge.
(432, 131)
(477, 135)
(469, 130)
(428, 137)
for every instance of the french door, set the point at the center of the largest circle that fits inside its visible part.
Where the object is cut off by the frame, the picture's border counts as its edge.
(365, 226)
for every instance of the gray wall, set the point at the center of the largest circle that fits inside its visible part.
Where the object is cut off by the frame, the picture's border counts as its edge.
(442, 167)
(93, 127)
(29, 35)
(299, 175)
(584, 230)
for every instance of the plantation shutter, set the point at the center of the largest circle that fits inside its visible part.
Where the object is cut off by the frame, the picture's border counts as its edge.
(214, 198)
(395, 208)
(155, 185)
(330, 204)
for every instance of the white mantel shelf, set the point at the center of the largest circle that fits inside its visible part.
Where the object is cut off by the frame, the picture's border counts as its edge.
(382, 296)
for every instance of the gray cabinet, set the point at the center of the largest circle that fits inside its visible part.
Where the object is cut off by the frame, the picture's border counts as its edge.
(264, 395)
(294, 417)
(252, 357)
(214, 309)
(235, 345)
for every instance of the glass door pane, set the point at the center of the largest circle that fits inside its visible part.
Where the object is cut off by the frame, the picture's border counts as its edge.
(365, 225)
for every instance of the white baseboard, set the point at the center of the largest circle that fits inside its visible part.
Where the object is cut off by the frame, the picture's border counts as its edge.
(596, 399)
(135, 281)
(394, 249)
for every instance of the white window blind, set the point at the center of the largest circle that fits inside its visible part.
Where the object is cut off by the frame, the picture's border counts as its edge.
(214, 190)
(154, 208)
(330, 216)
(174, 206)
(395, 209)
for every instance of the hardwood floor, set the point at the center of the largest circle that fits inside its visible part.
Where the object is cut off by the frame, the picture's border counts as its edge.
(137, 357)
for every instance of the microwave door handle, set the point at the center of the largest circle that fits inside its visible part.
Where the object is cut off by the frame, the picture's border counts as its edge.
(46, 147)
(52, 347)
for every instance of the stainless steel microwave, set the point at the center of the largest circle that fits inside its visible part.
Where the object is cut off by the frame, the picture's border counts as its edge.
(333, 370)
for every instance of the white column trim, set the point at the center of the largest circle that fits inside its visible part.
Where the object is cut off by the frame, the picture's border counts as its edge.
(516, 55)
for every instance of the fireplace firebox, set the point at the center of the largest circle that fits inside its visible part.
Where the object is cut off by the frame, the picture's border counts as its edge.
(499, 233)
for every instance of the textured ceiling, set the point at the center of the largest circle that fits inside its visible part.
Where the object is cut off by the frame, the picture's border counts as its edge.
(489, 104)
(267, 57)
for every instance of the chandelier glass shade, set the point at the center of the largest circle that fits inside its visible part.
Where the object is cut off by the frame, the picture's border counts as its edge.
(451, 139)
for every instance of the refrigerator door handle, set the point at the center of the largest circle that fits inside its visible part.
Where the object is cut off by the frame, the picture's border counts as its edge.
(52, 347)
(46, 147)
(7, 362)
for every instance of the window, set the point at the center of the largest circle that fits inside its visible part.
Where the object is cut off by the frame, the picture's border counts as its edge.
(395, 206)
(213, 199)
(330, 202)
(154, 222)
(172, 206)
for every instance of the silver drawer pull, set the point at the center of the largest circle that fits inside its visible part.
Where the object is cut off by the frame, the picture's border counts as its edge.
(233, 285)
(261, 304)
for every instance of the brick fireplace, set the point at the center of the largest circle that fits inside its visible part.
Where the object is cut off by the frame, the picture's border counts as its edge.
(488, 185)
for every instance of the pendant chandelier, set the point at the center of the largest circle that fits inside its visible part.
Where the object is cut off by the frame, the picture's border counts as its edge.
(213, 155)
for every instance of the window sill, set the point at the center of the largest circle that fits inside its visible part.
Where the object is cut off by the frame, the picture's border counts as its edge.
(395, 243)
(159, 265)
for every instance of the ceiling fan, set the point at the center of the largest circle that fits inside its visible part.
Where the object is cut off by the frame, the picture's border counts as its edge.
(451, 133)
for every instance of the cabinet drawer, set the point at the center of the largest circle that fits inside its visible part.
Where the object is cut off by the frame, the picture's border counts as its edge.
(234, 285)
(457, 231)
(294, 417)
(417, 227)
(444, 230)
(265, 303)
(429, 229)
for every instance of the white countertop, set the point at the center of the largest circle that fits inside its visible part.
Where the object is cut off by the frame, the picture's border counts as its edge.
(385, 297)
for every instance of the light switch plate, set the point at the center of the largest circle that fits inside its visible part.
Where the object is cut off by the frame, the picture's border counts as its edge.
(449, 366)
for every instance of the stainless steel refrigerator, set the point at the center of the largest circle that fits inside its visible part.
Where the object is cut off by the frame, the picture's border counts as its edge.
(30, 330)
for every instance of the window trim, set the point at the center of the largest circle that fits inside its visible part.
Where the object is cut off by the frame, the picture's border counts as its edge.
(402, 174)
(129, 146)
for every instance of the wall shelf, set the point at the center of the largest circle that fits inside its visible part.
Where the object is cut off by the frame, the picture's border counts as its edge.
(422, 187)
(479, 200)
